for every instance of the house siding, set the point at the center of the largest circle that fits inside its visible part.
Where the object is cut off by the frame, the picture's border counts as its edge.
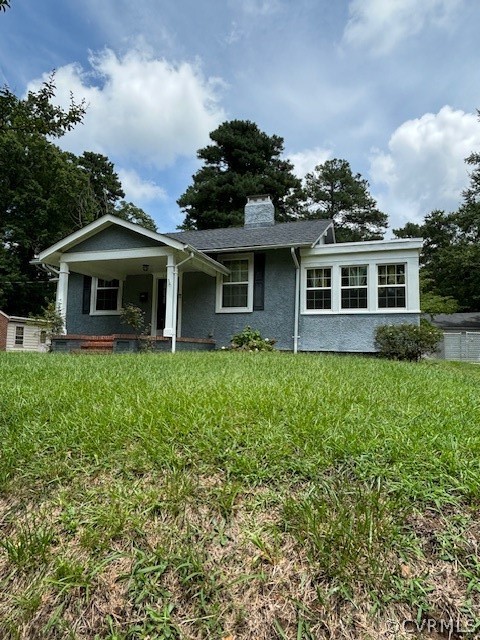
(351, 333)
(276, 320)
(114, 238)
(93, 325)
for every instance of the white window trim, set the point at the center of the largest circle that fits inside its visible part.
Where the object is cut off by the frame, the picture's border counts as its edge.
(349, 287)
(93, 300)
(397, 286)
(218, 304)
(331, 288)
(411, 279)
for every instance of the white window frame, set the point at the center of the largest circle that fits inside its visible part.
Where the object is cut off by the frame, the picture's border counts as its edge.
(21, 337)
(366, 287)
(330, 288)
(396, 286)
(93, 299)
(220, 283)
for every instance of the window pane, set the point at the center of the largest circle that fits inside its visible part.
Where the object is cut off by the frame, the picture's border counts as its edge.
(319, 278)
(107, 283)
(389, 297)
(319, 299)
(354, 298)
(235, 295)
(107, 299)
(238, 271)
(354, 276)
(391, 274)
(19, 335)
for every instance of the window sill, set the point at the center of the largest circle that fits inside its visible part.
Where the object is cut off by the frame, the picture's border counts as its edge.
(106, 313)
(234, 310)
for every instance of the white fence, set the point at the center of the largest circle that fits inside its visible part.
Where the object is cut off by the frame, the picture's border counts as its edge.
(462, 345)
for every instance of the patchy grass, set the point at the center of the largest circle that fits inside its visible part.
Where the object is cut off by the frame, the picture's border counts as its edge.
(238, 496)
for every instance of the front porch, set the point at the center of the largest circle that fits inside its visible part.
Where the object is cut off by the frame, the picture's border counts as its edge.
(125, 343)
(112, 263)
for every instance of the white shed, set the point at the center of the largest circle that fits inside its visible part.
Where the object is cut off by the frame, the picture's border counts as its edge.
(22, 334)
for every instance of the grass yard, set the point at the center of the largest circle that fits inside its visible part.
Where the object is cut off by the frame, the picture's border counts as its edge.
(240, 496)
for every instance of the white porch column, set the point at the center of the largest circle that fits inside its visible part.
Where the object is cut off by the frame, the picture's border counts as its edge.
(170, 310)
(62, 293)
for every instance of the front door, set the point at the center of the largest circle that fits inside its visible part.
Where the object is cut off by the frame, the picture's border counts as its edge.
(161, 304)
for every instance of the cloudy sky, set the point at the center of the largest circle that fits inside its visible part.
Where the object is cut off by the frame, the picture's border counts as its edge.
(390, 85)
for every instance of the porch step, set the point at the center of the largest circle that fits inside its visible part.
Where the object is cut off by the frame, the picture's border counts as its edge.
(103, 346)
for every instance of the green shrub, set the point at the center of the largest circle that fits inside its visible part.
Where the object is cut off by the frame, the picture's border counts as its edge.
(251, 340)
(134, 317)
(407, 341)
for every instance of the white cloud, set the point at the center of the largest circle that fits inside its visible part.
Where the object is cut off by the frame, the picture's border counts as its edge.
(382, 24)
(140, 108)
(424, 168)
(139, 190)
(306, 160)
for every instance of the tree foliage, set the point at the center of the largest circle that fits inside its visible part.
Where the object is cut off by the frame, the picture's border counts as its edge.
(451, 251)
(45, 193)
(131, 213)
(333, 191)
(36, 114)
(241, 161)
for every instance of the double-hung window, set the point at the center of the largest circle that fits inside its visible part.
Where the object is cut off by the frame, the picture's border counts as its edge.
(235, 290)
(106, 296)
(391, 286)
(19, 336)
(354, 287)
(319, 288)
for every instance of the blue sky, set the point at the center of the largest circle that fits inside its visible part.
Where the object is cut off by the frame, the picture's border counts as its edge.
(390, 85)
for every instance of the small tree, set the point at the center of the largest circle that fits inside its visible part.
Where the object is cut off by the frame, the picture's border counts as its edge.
(50, 320)
(134, 317)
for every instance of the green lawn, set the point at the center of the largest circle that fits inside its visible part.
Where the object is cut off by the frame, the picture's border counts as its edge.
(241, 496)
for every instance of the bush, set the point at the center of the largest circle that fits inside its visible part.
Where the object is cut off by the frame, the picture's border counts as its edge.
(134, 317)
(407, 341)
(251, 340)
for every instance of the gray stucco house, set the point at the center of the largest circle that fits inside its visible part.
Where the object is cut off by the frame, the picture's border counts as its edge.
(291, 281)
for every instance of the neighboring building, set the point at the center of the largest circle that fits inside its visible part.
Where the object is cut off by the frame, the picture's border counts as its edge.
(22, 334)
(461, 336)
(291, 281)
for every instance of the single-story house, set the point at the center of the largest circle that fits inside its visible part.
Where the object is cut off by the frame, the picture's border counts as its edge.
(291, 281)
(22, 334)
(461, 336)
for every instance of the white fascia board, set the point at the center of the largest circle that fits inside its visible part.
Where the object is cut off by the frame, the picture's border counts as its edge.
(52, 253)
(371, 247)
(115, 254)
(211, 266)
(256, 247)
(330, 226)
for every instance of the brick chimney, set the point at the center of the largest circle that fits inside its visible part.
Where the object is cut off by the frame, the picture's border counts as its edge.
(259, 212)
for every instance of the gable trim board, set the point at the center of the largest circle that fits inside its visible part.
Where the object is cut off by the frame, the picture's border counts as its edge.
(213, 289)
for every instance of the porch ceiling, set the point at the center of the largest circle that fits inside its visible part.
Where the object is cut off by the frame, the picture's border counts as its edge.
(117, 267)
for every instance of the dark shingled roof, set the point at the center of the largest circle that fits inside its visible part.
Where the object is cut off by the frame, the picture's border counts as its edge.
(457, 321)
(285, 234)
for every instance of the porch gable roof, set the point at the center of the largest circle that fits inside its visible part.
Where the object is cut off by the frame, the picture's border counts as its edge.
(53, 254)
